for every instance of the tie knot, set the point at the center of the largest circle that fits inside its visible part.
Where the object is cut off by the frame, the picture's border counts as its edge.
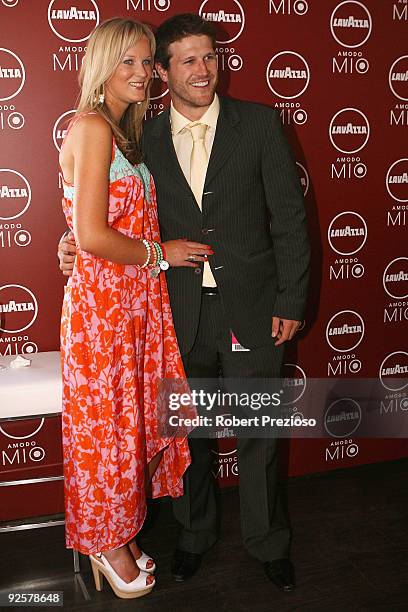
(197, 130)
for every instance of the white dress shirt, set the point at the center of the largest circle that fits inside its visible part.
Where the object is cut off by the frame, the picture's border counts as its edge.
(183, 145)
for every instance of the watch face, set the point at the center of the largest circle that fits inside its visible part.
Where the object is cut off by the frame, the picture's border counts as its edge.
(164, 265)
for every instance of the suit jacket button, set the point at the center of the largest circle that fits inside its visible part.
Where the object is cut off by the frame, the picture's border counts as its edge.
(197, 271)
(204, 231)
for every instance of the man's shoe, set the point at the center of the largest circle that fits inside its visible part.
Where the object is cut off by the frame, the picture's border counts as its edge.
(281, 573)
(185, 564)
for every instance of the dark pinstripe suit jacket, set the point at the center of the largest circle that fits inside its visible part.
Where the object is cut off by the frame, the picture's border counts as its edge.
(252, 215)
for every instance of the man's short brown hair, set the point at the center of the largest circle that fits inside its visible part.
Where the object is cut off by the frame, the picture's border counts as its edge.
(179, 27)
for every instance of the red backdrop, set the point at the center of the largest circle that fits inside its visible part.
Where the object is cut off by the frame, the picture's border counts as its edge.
(338, 73)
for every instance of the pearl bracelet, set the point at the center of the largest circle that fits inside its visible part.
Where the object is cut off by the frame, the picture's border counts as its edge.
(149, 253)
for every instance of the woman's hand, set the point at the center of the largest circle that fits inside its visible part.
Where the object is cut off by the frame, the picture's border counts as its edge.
(183, 252)
(66, 253)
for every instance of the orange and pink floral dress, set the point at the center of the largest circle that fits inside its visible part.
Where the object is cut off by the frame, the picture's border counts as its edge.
(117, 341)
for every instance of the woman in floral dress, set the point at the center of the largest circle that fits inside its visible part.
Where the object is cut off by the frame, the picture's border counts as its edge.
(117, 334)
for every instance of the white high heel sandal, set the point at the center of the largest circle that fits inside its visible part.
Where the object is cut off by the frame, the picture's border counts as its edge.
(125, 590)
(142, 561)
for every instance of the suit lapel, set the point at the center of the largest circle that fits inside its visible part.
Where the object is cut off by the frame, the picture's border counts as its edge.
(165, 150)
(227, 138)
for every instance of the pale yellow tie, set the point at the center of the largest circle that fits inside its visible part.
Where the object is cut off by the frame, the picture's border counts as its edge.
(198, 170)
(198, 160)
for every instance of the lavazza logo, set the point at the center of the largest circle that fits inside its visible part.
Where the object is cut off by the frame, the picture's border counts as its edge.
(60, 128)
(398, 78)
(345, 331)
(342, 418)
(398, 83)
(288, 77)
(15, 194)
(228, 16)
(18, 308)
(12, 75)
(15, 198)
(349, 130)
(347, 233)
(12, 79)
(73, 20)
(393, 372)
(351, 24)
(229, 21)
(395, 278)
(293, 383)
(395, 283)
(396, 180)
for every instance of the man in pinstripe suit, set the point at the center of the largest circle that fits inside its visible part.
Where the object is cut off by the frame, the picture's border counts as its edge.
(249, 209)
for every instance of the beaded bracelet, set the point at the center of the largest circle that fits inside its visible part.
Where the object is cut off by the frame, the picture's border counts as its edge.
(164, 251)
(149, 252)
(155, 260)
(159, 252)
(155, 255)
(155, 264)
(163, 263)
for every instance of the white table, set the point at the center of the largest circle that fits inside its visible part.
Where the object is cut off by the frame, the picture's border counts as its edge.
(32, 391)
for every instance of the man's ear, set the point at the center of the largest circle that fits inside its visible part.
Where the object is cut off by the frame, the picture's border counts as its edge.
(161, 72)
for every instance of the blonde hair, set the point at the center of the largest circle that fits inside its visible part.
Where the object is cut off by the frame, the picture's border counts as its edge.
(106, 47)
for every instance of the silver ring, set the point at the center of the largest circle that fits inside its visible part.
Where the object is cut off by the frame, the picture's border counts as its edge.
(191, 258)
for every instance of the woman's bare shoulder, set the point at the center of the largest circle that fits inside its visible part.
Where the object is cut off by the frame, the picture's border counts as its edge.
(91, 124)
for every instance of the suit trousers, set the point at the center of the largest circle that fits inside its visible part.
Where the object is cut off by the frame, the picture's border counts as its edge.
(264, 524)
